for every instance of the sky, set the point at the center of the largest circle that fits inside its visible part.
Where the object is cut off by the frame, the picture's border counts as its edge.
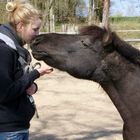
(124, 7)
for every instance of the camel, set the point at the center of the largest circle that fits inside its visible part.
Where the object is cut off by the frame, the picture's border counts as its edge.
(99, 55)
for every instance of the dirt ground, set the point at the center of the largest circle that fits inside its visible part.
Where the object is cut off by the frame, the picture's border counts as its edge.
(73, 109)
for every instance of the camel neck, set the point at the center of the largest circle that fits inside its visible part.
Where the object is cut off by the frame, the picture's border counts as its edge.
(117, 101)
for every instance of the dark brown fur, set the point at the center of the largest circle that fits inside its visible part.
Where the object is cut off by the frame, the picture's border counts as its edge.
(101, 56)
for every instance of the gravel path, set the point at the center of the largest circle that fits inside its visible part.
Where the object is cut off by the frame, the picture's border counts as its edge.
(73, 109)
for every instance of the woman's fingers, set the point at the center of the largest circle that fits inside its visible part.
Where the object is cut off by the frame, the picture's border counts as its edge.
(44, 71)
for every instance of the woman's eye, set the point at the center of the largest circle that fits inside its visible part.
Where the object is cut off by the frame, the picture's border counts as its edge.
(35, 29)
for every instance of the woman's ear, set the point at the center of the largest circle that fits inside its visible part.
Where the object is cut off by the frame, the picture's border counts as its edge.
(19, 26)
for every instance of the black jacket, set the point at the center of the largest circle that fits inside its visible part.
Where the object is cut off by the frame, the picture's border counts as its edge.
(16, 110)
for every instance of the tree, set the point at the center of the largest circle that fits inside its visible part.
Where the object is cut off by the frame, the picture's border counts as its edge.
(48, 17)
(98, 11)
(51, 16)
(90, 13)
(105, 20)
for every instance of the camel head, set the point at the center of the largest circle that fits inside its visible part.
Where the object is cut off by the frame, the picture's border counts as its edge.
(81, 55)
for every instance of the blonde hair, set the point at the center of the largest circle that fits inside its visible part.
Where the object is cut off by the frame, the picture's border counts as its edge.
(21, 11)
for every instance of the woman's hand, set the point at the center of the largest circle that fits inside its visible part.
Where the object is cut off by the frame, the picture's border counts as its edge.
(32, 89)
(44, 71)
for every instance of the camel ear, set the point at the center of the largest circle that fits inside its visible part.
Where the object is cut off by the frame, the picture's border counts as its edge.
(107, 37)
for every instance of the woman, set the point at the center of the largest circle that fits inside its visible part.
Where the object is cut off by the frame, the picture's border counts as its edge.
(17, 84)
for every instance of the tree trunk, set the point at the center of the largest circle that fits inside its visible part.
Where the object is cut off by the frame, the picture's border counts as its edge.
(52, 18)
(98, 11)
(48, 18)
(90, 15)
(105, 20)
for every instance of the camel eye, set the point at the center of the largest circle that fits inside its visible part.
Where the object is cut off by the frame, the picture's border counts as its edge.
(71, 51)
(86, 45)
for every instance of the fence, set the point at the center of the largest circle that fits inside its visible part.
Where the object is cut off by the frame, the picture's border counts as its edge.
(131, 39)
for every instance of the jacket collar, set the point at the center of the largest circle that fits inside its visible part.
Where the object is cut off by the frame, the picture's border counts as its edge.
(9, 31)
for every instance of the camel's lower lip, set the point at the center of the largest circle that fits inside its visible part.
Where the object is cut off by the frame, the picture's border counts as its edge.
(39, 54)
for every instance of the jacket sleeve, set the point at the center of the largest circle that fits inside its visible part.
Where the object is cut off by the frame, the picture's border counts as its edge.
(36, 87)
(10, 88)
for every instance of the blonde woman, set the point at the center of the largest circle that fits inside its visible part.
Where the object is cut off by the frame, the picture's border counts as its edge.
(16, 84)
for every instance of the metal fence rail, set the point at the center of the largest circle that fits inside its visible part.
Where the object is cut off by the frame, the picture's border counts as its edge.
(127, 30)
(132, 40)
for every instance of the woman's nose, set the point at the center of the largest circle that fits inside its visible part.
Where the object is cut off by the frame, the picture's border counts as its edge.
(37, 33)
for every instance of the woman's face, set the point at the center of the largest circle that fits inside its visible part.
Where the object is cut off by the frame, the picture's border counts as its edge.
(29, 31)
